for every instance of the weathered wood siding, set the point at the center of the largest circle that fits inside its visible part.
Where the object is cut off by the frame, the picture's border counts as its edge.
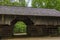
(35, 20)
(41, 24)
(5, 30)
(43, 30)
(0, 19)
(6, 19)
(45, 20)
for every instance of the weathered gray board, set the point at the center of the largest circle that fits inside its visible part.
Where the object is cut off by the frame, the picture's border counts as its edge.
(36, 20)
(45, 20)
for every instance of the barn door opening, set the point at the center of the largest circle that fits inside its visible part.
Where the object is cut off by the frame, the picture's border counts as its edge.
(20, 28)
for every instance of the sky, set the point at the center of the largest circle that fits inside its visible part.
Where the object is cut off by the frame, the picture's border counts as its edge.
(28, 3)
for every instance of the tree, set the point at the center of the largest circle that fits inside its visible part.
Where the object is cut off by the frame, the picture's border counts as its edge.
(9, 3)
(20, 27)
(58, 5)
(52, 4)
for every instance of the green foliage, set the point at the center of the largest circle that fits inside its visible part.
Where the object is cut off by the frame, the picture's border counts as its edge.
(52, 4)
(9, 3)
(58, 5)
(20, 27)
(37, 3)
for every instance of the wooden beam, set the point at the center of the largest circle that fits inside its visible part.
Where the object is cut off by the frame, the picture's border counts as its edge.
(3, 21)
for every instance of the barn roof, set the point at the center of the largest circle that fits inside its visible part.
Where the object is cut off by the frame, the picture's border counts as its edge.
(12, 10)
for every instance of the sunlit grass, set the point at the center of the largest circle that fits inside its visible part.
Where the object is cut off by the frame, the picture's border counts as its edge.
(20, 27)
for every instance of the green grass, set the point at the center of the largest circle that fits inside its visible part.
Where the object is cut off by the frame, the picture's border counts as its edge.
(20, 27)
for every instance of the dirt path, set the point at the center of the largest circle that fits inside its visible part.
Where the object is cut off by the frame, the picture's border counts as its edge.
(35, 38)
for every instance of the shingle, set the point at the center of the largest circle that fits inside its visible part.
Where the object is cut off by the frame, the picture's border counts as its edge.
(12, 10)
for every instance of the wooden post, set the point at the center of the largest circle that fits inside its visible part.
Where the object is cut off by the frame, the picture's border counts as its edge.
(3, 19)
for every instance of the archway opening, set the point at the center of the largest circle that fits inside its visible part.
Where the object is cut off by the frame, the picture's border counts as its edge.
(20, 28)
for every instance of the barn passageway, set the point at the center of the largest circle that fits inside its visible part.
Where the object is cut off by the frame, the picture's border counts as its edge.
(24, 23)
(20, 28)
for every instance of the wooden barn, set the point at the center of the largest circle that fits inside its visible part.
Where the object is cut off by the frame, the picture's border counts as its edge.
(39, 21)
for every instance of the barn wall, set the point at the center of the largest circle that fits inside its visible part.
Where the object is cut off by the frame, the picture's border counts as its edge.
(45, 20)
(6, 19)
(44, 26)
(35, 20)
(43, 30)
(5, 30)
(0, 19)
(37, 29)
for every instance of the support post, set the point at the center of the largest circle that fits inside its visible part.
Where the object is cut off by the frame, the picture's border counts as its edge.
(3, 21)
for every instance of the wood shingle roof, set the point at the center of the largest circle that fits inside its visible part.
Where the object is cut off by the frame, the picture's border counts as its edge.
(12, 10)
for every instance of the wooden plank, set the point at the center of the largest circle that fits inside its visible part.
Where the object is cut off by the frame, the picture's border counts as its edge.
(55, 21)
(3, 21)
(58, 21)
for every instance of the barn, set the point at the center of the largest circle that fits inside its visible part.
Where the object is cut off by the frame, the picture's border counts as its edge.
(39, 21)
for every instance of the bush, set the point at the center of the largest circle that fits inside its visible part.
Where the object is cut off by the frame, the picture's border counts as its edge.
(20, 27)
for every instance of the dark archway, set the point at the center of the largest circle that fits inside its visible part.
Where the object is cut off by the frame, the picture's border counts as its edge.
(26, 20)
